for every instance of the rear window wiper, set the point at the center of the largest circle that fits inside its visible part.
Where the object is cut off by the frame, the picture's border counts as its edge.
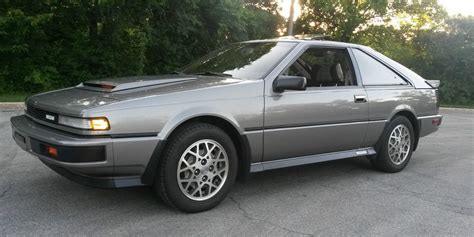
(209, 73)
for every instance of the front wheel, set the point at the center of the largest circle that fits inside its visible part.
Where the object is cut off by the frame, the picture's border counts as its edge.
(198, 168)
(395, 146)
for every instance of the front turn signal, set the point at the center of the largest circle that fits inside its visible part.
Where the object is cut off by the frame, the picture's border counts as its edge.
(52, 151)
(100, 124)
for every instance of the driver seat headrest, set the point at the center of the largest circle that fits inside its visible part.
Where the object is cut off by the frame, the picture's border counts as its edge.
(336, 73)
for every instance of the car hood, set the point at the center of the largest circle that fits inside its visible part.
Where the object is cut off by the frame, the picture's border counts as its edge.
(95, 93)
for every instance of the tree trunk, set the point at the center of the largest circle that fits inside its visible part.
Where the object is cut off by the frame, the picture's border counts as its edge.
(290, 18)
(93, 15)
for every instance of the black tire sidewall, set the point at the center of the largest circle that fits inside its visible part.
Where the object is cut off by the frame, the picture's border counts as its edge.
(180, 143)
(383, 160)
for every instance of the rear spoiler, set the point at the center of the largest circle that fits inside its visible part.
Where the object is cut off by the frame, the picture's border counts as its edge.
(433, 83)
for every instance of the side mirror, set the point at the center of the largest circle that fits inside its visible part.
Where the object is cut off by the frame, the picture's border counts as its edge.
(289, 83)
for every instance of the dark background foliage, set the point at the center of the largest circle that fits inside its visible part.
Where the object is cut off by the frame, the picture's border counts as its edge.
(49, 44)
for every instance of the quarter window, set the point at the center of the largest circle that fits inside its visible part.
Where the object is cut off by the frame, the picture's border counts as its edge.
(375, 73)
(324, 67)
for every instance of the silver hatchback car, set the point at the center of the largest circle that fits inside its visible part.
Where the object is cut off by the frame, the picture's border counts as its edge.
(249, 107)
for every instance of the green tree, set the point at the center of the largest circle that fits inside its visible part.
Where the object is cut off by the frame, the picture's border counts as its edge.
(448, 58)
(348, 20)
(339, 19)
(48, 44)
(418, 34)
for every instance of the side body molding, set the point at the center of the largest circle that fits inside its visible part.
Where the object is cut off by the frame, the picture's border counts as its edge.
(276, 164)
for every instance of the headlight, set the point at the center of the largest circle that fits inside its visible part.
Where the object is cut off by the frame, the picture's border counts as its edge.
(85, 123)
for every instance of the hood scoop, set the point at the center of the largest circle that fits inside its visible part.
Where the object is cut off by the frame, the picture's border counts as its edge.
(127, 83)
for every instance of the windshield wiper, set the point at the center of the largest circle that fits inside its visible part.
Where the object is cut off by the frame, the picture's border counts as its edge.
(209, 73)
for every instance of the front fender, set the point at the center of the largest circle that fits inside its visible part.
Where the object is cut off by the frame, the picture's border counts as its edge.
(195, 112)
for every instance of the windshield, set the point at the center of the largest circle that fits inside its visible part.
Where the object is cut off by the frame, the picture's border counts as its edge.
(241, 60)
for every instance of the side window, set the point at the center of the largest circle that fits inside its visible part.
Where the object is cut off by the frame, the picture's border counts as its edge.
(324, 67)
(375, 73)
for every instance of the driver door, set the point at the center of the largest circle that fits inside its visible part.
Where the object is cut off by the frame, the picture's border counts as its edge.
(330, 115)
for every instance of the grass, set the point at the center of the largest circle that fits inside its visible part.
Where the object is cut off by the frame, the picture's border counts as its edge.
(463, 106)
(15, 97)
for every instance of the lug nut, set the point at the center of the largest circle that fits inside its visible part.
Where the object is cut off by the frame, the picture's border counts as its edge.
(203, 162)
(196, 172)
(211, 168)
(204, 178)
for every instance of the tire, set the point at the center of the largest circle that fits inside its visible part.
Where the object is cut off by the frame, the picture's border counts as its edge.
(190, 177)
(393, 152)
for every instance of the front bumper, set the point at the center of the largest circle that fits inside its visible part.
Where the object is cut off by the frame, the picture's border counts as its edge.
(86, 160)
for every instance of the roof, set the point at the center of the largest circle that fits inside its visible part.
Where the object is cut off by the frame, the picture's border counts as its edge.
(312, 39)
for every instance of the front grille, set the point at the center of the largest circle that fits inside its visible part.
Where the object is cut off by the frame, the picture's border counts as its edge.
(42, 114)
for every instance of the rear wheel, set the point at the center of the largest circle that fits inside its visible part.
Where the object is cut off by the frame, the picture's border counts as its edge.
(198, 168)
(395, 146)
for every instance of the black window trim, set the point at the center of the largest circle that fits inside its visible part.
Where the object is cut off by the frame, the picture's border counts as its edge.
(277, 63)
(388, 66)
(351, 61)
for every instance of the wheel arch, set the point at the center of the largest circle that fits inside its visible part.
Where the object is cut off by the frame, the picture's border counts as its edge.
(239, 139)
(409, 113)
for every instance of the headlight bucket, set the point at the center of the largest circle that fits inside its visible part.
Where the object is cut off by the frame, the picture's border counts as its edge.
(85, 123)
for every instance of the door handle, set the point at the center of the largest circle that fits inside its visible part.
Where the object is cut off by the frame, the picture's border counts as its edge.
(360, 98)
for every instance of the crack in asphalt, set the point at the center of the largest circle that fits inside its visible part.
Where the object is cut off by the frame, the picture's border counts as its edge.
(436, 178)
(462, 210)
(6, 164)
(2, 194)
(247, 216)
(414, 192)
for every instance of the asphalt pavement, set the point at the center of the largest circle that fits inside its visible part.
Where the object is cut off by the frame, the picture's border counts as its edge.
(433, 196)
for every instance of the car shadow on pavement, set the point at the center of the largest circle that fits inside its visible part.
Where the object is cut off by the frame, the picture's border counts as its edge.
(259, 185)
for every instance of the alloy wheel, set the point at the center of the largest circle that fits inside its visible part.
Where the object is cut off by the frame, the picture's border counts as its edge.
(202, 170)
(399, 144)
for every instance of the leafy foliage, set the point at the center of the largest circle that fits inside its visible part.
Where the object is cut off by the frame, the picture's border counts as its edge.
(339, 19)
(419, 34)
(448, 57)
(47, 44)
